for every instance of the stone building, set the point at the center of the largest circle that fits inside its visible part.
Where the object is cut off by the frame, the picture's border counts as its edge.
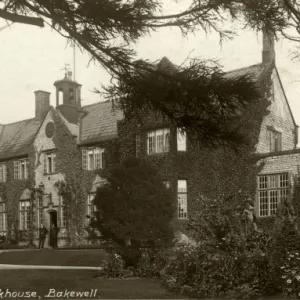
(39, 154)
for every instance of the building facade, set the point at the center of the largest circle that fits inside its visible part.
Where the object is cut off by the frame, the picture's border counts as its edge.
(51, 165)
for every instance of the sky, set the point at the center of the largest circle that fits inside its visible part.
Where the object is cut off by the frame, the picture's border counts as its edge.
(33, 59)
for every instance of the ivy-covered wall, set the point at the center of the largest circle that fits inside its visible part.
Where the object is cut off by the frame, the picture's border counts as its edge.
(11, 192)
(219, 172)
(69, 182)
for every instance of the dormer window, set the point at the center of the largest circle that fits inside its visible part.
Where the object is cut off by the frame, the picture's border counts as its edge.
(274, 140)
(92, 158)
(158, 141)
(21, 167)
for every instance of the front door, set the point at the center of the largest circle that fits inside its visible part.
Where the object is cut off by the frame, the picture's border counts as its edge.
(53, 221)
(53, 218)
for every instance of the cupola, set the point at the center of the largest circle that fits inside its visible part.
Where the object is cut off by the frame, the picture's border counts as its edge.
(68, 97)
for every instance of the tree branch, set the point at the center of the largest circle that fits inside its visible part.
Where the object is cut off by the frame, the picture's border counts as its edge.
(21, 19)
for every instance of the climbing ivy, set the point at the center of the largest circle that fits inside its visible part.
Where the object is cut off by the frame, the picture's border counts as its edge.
(77, 182)
(11, 192)
(219, 172)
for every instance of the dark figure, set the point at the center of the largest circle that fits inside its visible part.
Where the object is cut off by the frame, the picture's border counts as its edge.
(53, 236)
(42, 235)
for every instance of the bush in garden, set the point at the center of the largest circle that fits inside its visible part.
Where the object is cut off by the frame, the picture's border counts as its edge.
(134, 209)
(114, 267)
(291, 275)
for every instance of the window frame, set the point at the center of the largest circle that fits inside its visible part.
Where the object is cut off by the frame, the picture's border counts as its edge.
(18, 170)
(181, 139)
(98, 162)
(268, 189)
(3, 172)
(3, 217)
(46, 169)
(182, 208)
(155, 140)
(274, 140)
(24, 221)
(91, 208)
(63, 213)
(40, 210)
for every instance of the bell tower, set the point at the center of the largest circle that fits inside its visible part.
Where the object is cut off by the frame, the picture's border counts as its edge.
(68, 97)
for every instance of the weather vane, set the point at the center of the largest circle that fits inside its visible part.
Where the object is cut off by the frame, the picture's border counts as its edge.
(66, 68)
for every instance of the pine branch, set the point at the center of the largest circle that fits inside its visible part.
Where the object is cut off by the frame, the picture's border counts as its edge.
(16, 18)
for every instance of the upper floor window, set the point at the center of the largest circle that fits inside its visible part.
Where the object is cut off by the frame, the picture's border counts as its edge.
(49, 163)
(181, 139)
(158, 141)
(182, 199)
(92, 158)
(3, 172)
(274, 140)
(21, 167)
(271, 190)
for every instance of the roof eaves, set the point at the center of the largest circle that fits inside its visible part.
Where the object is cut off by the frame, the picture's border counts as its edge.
(285, 97)
(95, 140)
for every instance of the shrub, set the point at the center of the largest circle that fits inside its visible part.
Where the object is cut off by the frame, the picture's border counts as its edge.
(134, 195)
(291, 275)
(114, 268)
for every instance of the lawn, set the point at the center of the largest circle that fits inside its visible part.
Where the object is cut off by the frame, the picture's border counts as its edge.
(91, 257)
(41, 281)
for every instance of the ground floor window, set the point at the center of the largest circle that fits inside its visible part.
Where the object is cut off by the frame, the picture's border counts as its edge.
(272, 188)
(2, 217)
(182, 199)
(91, 208)
(24, 214)
(63, 213)
(40, 211)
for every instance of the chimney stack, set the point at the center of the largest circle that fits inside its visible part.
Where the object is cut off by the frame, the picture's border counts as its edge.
(268, 52)
(42, 104)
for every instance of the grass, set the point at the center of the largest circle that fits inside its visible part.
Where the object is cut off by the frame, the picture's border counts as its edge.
(47, 257)
(41, 281)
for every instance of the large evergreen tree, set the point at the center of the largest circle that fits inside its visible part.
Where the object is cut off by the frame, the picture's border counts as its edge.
(108, 29)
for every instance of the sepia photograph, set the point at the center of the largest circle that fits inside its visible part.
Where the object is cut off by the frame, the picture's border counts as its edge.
(149, 149)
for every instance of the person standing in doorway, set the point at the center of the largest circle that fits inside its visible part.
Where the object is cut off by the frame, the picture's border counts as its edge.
(53, 236)
(42, 235)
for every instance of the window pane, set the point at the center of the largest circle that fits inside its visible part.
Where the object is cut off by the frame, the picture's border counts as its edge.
(263, 182)
(273, 181)
(272, 189)
(181, 140)
(273, 202)
(182, 199)
(263, 203)
(283, 180)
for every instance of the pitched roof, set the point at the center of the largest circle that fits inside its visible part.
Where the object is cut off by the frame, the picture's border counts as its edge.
(73, 128)
(255, 70)
(99, 123)
(16, 138)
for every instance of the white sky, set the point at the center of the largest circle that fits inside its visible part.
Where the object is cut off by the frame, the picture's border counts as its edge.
(32, 59)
